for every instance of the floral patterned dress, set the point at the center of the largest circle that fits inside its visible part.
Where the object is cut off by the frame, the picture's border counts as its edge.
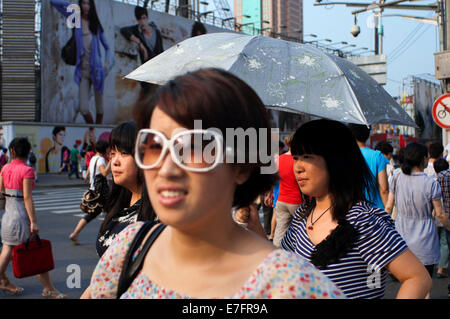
(281, 274)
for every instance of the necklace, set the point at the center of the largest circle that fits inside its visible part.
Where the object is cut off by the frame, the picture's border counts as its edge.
(310, 227)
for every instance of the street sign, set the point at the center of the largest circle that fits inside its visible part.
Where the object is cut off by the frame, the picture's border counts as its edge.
(441, 111)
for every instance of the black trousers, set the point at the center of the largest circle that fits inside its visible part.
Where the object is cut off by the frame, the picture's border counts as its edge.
(267, 213)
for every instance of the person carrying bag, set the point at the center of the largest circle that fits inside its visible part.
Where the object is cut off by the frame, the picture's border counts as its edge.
(96, 196)
(33, 257)
(19, 223)
(94, 200)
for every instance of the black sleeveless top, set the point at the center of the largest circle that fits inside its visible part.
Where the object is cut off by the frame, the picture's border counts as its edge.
(126, 217)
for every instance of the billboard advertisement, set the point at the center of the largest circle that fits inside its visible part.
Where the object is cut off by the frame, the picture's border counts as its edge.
(88, 46)
(51, 142)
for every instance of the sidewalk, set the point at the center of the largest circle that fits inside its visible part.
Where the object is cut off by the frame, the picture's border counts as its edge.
(50, 180)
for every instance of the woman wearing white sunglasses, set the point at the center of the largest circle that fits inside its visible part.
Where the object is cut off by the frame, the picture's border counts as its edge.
(193, 183)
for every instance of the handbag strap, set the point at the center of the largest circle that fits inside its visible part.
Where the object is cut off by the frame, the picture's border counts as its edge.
(93, 173)
(95, 165)
(130, 268)
(38, 239)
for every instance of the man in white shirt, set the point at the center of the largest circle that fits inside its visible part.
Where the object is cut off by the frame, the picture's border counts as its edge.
(435, 151)
(97, 165)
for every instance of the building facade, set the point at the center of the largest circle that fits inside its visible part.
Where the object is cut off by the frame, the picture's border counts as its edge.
(270, 17)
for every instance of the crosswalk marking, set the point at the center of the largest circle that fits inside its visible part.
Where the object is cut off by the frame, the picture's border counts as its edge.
(62, 201)
(57, 205)
(61, 211)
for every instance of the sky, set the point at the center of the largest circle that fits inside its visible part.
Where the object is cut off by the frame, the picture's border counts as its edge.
(408, 45)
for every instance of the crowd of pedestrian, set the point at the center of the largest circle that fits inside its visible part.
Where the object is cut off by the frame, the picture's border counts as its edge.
(339, 216)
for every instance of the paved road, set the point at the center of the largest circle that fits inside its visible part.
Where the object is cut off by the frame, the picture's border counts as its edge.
(58, 212)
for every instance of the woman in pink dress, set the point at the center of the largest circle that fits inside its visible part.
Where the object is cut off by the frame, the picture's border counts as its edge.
(19, 221)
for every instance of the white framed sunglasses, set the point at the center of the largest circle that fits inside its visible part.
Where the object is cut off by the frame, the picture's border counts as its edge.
(193, 150)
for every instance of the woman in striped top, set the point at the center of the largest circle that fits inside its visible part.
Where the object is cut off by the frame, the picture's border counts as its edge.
(345, 237)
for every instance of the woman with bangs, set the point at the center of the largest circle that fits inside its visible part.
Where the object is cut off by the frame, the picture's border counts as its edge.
(342, 234)
(128, 201)
(198, 251)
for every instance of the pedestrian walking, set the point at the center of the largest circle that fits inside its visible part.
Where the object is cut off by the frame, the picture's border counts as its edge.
(126, 203)
(87, 160)
(269, 201)
(75, 158)
(65, 167)
(387, 150)
(97, 166)
(193, 193)
(416, 195)
(289, 195)
(441, 165)
(377, 164)
(19, 221)
(444, 182)
(349, 240)
(435, 151)
(3, 157)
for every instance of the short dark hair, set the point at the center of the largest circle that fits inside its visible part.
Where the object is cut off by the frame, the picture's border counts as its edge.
(101, 146)
(349, 175)
(413, 156)
(384, 147)
(400, 156)
(198, 27)
(360, 132)
(221, 100)
(139, 11)
(435, 150)
(440, 165)
(58, 129)
(123, 137)
(21, 147)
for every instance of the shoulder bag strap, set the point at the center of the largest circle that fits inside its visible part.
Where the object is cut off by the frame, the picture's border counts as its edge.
(130, 268)
(95, 165)
(92, 184)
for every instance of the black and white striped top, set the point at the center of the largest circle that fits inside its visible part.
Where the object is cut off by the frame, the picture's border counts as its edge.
(361, 273)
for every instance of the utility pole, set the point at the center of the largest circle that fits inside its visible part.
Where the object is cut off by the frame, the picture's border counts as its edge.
(262, 16)
(167, 6)
(442, 58)
(447, 34)
(381, 5)
(379, 27)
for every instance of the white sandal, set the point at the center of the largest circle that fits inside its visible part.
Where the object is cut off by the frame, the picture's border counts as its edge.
(53, 294)
(4, 283)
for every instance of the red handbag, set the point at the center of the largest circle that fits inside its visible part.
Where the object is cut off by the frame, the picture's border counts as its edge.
(33, 257)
